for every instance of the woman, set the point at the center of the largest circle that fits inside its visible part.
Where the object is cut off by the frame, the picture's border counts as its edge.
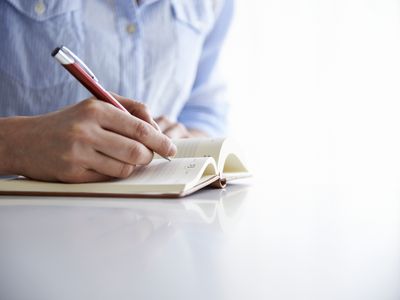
(163, 53)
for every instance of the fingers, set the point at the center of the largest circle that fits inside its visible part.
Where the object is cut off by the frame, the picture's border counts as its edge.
(77, 174)
(177, 131)
(197, 133)
(108, 166)
(134, 128)
(137, 109)
(92, 176)
(171, 129)
(123, 149)
(164, 123)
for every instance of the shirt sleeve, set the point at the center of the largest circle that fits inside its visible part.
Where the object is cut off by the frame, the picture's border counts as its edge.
(207, 106)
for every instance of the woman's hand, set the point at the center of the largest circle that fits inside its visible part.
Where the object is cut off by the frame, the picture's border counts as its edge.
(176, 130)
(89, 141)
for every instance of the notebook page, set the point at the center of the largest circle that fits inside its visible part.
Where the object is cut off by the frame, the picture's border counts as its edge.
(199, 147)
(162, 172)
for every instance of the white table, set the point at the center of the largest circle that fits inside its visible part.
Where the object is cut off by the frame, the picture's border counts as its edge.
(255, 240)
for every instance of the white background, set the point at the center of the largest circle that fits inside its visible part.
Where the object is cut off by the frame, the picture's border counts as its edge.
(314, 87)
(315, 91)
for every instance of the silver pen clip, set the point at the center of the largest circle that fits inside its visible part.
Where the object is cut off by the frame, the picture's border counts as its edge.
(83, 65)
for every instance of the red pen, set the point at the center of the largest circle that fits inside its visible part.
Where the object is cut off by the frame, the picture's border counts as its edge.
(82, 73)
(85, 76)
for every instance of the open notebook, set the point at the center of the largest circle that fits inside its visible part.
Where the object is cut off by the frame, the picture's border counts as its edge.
(198, 163)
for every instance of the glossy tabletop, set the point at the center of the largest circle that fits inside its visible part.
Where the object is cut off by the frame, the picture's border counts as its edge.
(254, 240)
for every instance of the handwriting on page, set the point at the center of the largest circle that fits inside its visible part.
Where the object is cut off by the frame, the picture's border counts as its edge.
(179, 170)
(188, 167)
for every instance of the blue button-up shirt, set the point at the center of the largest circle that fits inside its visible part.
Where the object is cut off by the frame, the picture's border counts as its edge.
(161, 52)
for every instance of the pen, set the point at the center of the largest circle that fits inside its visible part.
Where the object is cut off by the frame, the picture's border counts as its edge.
(74, 65)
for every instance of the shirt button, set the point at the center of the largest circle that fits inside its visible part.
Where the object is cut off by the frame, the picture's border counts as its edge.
(40, 8)
(131, 28)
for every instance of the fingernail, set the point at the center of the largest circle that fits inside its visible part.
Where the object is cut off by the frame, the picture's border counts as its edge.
(172, 150)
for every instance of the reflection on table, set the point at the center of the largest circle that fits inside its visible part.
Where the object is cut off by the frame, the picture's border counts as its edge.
(82, 248)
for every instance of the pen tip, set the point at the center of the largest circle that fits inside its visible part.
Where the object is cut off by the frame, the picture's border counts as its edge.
(55, 51)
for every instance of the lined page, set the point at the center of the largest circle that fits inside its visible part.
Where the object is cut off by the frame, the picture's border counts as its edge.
(199, 147)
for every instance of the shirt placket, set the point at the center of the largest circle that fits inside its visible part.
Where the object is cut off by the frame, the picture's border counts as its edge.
(131, 54)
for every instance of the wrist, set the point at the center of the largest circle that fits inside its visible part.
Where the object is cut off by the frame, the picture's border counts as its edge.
(10, 139)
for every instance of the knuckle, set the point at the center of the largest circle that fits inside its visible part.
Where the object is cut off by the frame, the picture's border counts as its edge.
(125, 171)
(134, 152)
(91, 108)
(78, 134)
(142, 130)
(139, 154)
(75, 130)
